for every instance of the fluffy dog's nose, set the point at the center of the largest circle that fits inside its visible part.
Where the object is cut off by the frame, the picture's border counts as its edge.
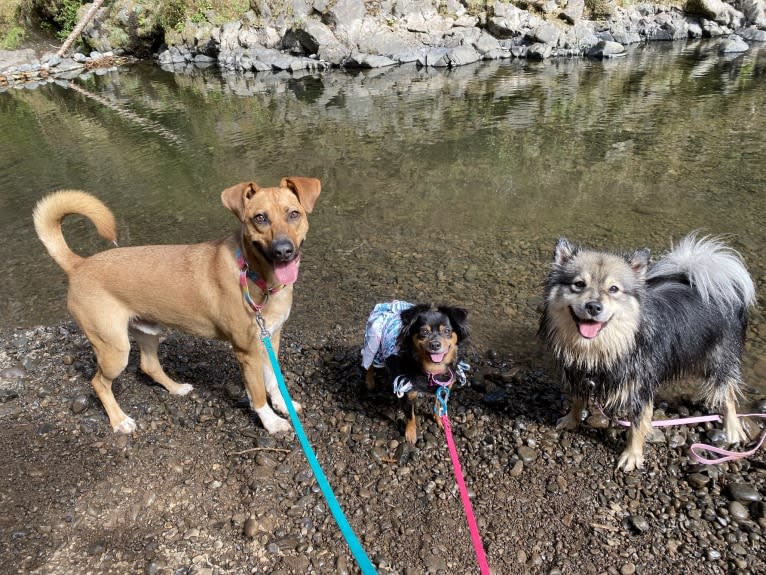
(593, 308)
(282, 250)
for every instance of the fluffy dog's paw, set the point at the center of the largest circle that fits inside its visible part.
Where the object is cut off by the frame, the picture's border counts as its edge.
(569, 421)
(127, 426)
(736, 434)
(629, 461)
(183, 389)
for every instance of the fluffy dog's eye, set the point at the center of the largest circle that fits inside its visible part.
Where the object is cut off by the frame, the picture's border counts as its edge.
(578, 285)
(446, 330)
(294, 215)
(614, 289)
(260, 219)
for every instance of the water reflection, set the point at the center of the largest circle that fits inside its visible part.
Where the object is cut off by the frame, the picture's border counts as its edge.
(438, 184)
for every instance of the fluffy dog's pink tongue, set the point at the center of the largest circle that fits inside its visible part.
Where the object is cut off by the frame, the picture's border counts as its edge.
(437, 357)
(589, 329)
(286, 272)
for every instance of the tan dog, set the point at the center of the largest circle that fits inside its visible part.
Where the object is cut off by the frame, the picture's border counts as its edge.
(194, 288)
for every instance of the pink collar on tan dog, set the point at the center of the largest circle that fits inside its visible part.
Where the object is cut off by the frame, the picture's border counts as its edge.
(244, 275)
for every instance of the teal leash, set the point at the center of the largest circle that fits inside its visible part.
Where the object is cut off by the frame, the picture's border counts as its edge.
(348, 533)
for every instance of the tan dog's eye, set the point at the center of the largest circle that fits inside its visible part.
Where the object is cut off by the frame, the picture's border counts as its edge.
(260, 219)
(579, 285)
(614, 289)
(294, 215)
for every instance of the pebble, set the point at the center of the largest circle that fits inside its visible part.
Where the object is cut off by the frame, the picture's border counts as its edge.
(628, 569)
(738, 511)
(639, 523)
(744, 493)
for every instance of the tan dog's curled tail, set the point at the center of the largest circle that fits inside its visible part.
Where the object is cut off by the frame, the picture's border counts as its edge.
(51, 211)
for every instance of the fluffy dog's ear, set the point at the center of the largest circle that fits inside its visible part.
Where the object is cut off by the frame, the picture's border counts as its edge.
(234, 198)
(307, 190)
(639, 261)
(458, 317)
(563, 252)
(409, 318)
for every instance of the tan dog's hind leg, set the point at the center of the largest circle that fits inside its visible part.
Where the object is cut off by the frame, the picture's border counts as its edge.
(571, 420)
(112, 351)
(252, 372)
(149, 344)
(735, 433)
(633, 455)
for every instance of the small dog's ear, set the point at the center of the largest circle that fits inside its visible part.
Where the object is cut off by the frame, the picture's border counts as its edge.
(563, 252)
(234, 198)
(307, 190)
(458, 317)
(409, 317)
(639, 261)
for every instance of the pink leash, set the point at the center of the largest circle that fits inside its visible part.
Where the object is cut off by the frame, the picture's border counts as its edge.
(698, 447)
(442, 394)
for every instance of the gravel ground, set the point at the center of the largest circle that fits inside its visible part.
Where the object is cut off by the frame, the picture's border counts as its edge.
(201, 488)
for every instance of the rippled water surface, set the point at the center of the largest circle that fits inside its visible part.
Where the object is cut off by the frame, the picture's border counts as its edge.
(437, 185)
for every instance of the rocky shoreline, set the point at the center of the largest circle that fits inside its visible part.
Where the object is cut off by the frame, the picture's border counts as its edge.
(201, 488)
(311, 36)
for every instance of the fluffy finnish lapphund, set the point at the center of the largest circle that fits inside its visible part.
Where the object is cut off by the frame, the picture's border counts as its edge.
(619, 326)
(418, 347)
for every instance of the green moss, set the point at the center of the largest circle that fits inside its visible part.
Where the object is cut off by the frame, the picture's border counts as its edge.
(12, 38)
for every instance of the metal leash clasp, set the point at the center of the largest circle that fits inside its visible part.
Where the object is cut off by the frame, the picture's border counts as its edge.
(442, 395)
(262, 324)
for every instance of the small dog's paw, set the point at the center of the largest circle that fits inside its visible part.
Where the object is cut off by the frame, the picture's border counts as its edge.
(411, 435)
(629, 461)
(569, 422)
(127, 426)
(183, 389)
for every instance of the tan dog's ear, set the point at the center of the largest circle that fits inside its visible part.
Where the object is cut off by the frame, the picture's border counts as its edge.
(234, 197)
(307, 190)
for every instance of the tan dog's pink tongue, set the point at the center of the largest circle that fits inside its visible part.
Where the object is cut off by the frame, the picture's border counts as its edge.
(286, 272)
(589, 329)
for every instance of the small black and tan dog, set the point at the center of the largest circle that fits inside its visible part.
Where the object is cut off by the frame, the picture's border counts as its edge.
(418, 347)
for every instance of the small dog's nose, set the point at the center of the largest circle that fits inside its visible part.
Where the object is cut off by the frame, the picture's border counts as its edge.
(434, 345)
(593, 308)
(282, 250)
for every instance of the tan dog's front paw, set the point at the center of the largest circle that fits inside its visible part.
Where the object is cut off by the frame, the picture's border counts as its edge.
(281, 406)
(183, 389)
(271, 421)
(411, 432)
(127, 426)
(630, 460)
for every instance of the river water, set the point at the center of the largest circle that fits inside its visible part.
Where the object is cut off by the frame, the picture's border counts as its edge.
(442, 185)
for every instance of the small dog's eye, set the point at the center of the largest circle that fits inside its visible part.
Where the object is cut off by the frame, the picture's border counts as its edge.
(614, 289)
(260, 219)
(294, 215)
(446, 330)
(578, 285)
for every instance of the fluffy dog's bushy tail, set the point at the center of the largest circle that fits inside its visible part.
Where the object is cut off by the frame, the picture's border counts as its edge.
(714, 269)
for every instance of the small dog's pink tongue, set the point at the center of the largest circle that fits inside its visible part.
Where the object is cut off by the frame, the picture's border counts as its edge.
(286, 272)
(437, 357)
(589, 329)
